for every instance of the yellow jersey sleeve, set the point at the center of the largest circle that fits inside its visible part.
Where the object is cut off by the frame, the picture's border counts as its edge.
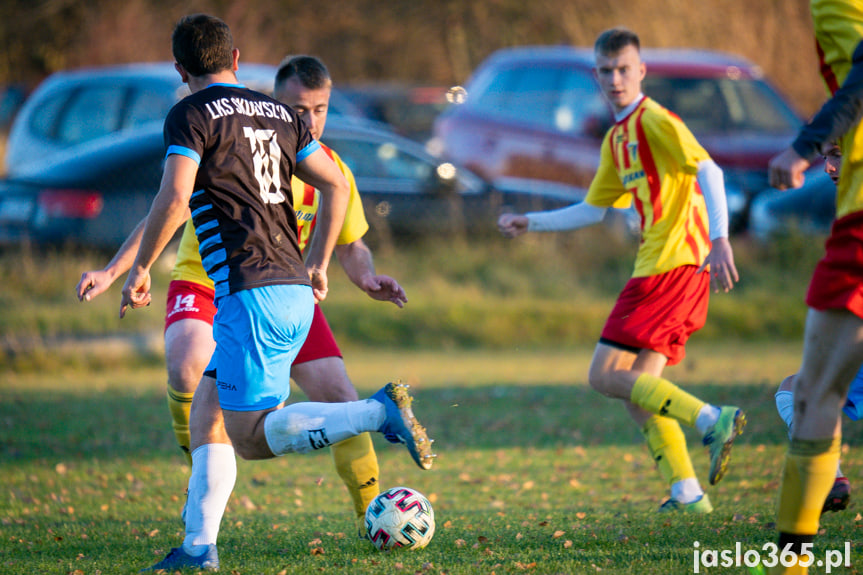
(683, 149)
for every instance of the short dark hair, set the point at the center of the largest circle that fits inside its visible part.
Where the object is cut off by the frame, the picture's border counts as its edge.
(310, 71)
(202, 44)
(616, 39)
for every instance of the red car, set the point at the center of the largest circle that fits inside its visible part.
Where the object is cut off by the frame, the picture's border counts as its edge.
(537, 112)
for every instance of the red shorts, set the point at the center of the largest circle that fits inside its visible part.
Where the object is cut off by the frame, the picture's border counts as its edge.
(659, 312)
(191, 300)
(838, 279)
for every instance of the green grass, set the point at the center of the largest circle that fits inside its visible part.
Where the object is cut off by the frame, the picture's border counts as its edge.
(535, 292)
(536, 473)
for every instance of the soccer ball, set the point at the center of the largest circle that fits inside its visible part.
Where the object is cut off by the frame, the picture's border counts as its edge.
(400, 517)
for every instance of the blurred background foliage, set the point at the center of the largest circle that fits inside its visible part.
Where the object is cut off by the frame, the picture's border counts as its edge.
(422, 41)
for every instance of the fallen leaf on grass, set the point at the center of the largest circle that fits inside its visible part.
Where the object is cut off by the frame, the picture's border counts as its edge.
(557, 534)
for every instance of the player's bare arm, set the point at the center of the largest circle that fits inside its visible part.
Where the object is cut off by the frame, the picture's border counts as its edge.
(320, 171)
(356, 260)
(169, 211)
(96, 282)
(512, 225)
(786, 170)
(723, 272)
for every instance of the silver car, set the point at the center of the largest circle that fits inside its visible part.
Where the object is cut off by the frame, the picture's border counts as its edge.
(74, 109)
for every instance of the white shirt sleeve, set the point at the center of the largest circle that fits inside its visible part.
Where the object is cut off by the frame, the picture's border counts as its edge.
(569, 218)
(712, 184)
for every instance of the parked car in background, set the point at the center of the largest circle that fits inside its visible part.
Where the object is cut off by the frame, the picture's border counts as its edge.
(408, 108)
(12, 97)
(537, 112)
(75, 108)
(95, 196)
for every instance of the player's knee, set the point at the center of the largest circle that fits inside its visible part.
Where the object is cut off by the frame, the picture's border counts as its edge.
(250, 450)
(184, 375)
(598, 379)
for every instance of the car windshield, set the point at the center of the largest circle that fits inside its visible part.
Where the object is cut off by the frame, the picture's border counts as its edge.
(723, 105)
(373, 159)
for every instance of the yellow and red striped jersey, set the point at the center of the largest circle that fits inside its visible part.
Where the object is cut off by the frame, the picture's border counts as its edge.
(838, 32)
(188, 266)
(652, 158)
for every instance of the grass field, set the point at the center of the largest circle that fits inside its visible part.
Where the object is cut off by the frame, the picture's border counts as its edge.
(536, 473)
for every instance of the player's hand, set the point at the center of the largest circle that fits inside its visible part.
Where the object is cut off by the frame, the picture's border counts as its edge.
(720, 260)
(786, 170)
(136, 292)
(92, 284)
(319, 283)
(384, 288)
(512, 225)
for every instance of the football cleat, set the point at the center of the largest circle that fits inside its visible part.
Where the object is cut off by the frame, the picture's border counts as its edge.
(178, 559)
(400, 424)
(839, 496)
(701, 505)
(719, 439)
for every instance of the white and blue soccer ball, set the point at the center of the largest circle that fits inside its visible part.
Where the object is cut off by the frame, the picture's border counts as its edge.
(400, 517)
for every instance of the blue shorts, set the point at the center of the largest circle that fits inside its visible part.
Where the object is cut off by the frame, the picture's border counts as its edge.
(854, 406)
(258, 334)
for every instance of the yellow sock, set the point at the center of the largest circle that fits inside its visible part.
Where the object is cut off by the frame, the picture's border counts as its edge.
(179, 404)
(810, 469)
(357, 465)
(667, 446)
(660, 396)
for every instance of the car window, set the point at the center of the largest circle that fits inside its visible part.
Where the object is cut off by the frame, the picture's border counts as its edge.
(523, 94)
(146, 104)
(722, 105)
(44, 124)
(580, 102)
(92, 112)
(371, 159)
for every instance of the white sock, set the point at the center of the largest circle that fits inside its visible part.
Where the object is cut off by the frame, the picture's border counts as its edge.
(686, 490)
(706, 418)
(785, 407)
(214, 472)
(839, 471)
(306, 426)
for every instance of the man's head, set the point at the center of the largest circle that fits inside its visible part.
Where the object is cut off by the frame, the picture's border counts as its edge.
(202, 45)
(619, 68)
(304, 84)
(832, 161)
